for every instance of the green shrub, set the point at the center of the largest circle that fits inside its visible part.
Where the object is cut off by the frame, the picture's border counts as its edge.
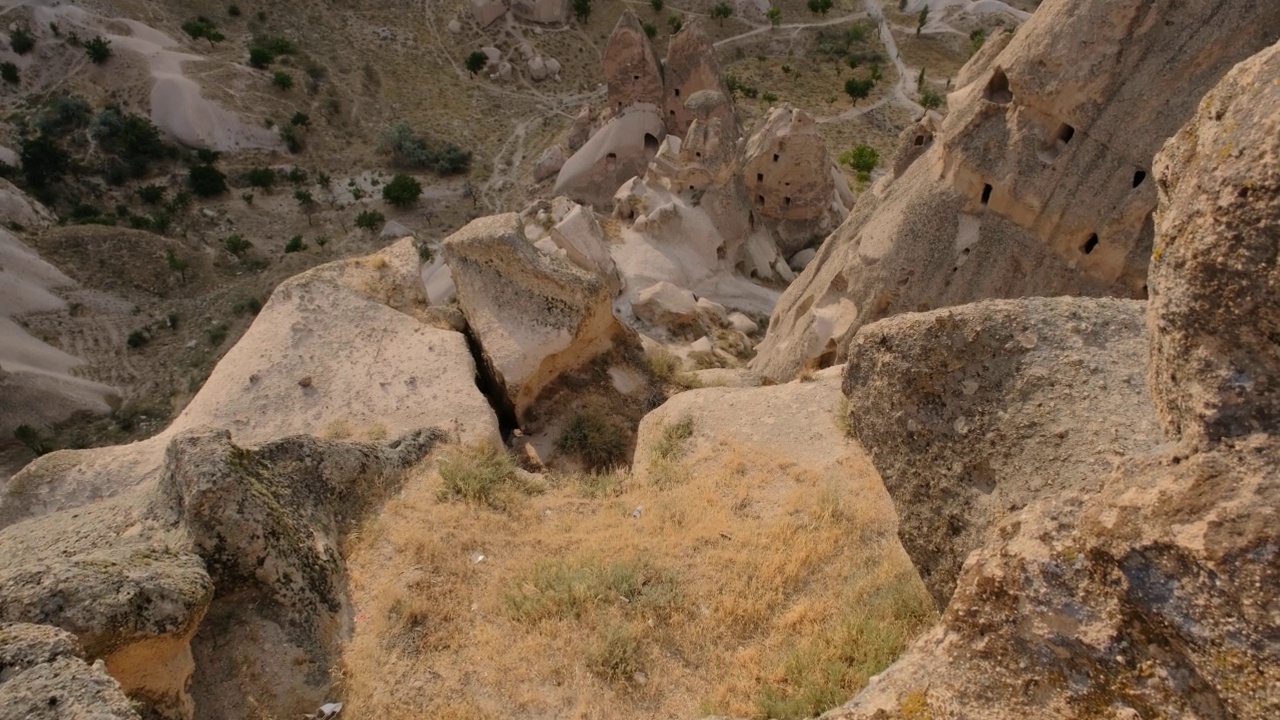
(217, 334)
(476, 61)
(292, 138)
(403, 191)
(295, 244)
(410, 149)
(233, 10)
(206, 180)
(370, 220)
(249, 305)
(151, 194)
(30, 437)
(862, 158)
(138, 338)
(21, 41)
(261, 177)
(674, 441)
(595, 440)
(482, 475)
(300, 119)
(98, 49)
(582, 9)
(237, 245)
(9, 73)
(43, 161)
(297, 176)
(565, 589)
(260, 58)
(282, 80)
(616, 655)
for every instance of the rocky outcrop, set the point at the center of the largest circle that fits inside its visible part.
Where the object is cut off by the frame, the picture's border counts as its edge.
(1152, 593)
(248, 536)
(631, 69)
(547, 12)
(784, 168)
(43, 676)
(618, 151)
(1214, 276)
(1052, 391)
(535, 315)
(1036, 183)
(690, 67)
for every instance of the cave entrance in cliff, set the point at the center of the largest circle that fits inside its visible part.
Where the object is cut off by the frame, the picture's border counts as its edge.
(650, 145)
(1065, 133)
(998, 90)
(986, 194)
(1138, 177)
(1089, 244)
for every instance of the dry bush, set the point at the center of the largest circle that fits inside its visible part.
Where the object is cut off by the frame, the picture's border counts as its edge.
(750, 588)
(481, 475)
(598, 441)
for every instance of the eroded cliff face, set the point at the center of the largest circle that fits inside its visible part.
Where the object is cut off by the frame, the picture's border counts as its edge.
(1037, 182)
(1146, 591)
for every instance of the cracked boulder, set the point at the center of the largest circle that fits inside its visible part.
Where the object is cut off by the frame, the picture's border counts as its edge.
(535, 315)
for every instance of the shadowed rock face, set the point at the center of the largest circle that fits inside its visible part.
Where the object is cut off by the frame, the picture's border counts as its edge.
(690, 67)
(631, 68)
(1152, 592)
(43, 676)
(1038, 181)
(972, 412)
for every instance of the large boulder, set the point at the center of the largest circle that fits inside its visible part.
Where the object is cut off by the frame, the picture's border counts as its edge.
(43, 676)
(535, 315)
(1216, 362)
(1155, 593)
(1036, 183)
(972, 412)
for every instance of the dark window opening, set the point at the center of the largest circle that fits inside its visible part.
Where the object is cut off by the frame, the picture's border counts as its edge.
(692, 187)
(635, 77)
(919, 140)
(673, 113)
(786, 201)
(651, 143)
(759, 177)
(759, 199)
(1139, 177)
(677, 92)
(721, 253)
(986, 194)
(697, 154)
(1089, 244)
(775, 157)
(1066, 132)
(998, 90)
(611, 156)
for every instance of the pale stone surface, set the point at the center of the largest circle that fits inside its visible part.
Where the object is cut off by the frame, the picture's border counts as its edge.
(690, 67)
(535, 315)
(541, 11)
(743, 324)
(579, 235)
(487, 11)
(618, 151)
(665, 305)
(631, 68)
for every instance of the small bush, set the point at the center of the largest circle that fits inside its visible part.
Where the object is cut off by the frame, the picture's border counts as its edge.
(295, 244)
(261, 177)
(370, 220)
(30, 437)
(292, 139)
(300, 119)
(98, 49)
(616, 655)
(237, 245)
(43, 161)
(650, 29)
(572, 589)
(482, 475)
(674, 441)
(862, 158)
(595, 440)
(282, 80)
(9, 73)
(233, 10)
(476, 61)
(297, 176)
(249, 305)
(260, 58)
(582, 10)
(206, 180)
(138, 338)
(217, 334)
(403, 191)
(151, 194)
(21, 41)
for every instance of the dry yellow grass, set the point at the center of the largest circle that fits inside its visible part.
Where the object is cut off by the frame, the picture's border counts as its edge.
(743, 588)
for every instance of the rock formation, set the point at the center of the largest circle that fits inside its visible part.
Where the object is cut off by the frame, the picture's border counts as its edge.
(534, 315)
(43, 676)
(1151, 592)
(1036, 183)
(631, 69)
(618, 151)
(690, 67)
(547, 12)
(1053, 390)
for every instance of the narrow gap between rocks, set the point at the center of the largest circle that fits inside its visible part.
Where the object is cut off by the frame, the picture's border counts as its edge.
(492, 387)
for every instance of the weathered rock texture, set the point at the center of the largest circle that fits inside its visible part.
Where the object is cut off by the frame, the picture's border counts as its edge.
(250, 536)
(43, 676)
(1216, 363)
(690, 67)
(1052, 391)
(631, 69)
(1154, 595)
(535, 315)
(1037, 181)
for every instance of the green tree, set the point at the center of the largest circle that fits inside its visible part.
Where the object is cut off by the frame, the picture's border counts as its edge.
(370, 220)
(282, 80)
(820, 7)
(774, 15)
(922, 19)
(43, 162)
(657, 5)
(676, 22)
(930, 100)
(722, 11)
(403, 191)
(261, 177)
(206, 180)
(260, 58)
(305, 202)
(650, 29)
(233, 10)
(295, 244)
(177, 264)
(977, 38)
(876, 74)
(9, 73)
(236, 245)
(476, 61)
(858, 88)
(862, 158)
(98, 49)
(301, 119)
(582, 10)
(21, 41)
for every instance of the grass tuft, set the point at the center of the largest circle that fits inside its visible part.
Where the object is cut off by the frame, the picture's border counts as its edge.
(674, 441)
(595, 440)
(616, 655)
(482, 475)
(573, 589)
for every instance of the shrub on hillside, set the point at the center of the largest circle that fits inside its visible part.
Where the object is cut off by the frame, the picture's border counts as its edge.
(403, 191)
(595, 440)
(206, 180)
(482, 475)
